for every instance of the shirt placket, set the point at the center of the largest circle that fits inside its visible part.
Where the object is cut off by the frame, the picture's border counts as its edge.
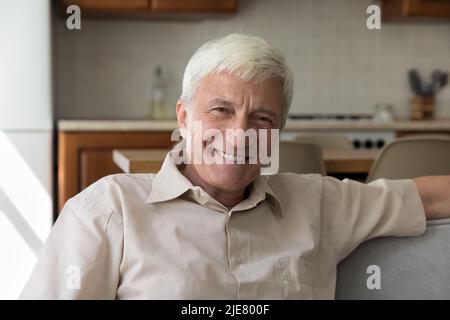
(236, 257)
(234, 254)
(234, 260)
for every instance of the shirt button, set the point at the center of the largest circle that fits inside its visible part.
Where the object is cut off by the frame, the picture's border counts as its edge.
(237, 261)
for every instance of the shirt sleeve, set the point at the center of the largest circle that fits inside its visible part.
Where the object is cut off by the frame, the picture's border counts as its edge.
(354, 212)
(81, 257)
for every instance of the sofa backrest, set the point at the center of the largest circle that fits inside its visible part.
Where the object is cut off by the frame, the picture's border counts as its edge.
(409, 267)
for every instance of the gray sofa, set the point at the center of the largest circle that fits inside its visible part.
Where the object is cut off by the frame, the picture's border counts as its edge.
(410, 268)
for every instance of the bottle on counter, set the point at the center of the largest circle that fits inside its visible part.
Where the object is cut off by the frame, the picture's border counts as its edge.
(158, 96)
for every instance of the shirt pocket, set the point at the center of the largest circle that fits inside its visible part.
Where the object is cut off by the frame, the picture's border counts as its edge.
(295, 269)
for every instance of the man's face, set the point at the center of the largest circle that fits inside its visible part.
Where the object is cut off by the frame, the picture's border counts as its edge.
(224, 102)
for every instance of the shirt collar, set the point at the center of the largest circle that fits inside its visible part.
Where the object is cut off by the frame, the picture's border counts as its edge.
(261, 190)
(169, 183)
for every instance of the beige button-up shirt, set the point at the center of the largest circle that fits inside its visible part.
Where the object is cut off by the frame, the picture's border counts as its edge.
(146, 236)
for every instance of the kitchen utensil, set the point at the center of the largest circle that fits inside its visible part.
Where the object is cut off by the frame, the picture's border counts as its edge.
(438, 81)
(415, 82)
(430, 88)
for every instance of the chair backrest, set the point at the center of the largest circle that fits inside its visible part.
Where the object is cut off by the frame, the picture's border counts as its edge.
(327, 141)
(301, 157)
(409, 267)
(413, 157)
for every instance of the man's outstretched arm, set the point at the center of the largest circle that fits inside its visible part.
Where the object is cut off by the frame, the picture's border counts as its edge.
(435, 194)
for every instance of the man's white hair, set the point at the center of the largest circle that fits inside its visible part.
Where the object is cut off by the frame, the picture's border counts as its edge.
(251, 58)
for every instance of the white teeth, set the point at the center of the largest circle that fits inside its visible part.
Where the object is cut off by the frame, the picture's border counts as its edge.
(230, 156)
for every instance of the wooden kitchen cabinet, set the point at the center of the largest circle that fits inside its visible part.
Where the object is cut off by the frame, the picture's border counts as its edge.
(401, 134)
(152, 8)
(193, 6)
(404, 10)
(85, 157)
(94, 164)
(109, 5)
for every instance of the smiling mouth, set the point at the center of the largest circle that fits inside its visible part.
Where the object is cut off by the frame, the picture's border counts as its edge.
(231, 157)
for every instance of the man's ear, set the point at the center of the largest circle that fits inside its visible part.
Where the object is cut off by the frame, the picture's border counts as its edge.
(181, 114)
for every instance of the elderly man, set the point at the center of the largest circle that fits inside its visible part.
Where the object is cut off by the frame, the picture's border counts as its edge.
(221, 230)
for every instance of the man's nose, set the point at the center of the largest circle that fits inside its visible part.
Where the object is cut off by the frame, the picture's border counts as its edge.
(240, 123)
(239, 128)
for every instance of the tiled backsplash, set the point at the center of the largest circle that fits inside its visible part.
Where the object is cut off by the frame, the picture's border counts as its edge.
(105, 69)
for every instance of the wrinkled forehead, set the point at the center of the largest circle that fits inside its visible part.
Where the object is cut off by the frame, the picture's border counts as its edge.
(231, 89)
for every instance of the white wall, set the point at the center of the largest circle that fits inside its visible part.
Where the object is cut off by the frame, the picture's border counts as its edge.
(105, 69)
(25, 139)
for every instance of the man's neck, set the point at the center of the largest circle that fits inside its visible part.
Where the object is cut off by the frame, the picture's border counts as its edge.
(227, 198)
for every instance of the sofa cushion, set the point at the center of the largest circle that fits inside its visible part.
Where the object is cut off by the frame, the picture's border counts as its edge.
(409, 267)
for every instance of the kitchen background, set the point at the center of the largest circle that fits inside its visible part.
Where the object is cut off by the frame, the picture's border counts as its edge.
(51, 76)
(105, 70)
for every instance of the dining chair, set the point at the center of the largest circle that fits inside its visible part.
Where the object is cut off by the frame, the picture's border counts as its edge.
(299, 157)
(411, 157)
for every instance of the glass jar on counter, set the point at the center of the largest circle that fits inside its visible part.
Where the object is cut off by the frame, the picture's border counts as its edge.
(159, 110)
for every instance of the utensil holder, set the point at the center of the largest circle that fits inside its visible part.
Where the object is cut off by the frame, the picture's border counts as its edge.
(422, 108)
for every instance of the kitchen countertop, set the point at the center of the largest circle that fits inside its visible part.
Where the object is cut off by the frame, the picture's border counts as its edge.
(291, 125)
(117, 125)
(397, 125)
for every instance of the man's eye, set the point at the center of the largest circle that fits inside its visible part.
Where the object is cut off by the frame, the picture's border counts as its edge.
(220, 109)
(264, 119)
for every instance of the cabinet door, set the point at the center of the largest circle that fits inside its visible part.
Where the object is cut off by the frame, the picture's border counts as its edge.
(403, 10)
(193, 6)
(109, 5)
(95, 164)
(401, 134)
(429, 8)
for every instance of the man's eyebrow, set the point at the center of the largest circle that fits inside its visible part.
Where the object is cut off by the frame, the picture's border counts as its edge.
(221, 102)
(227, 103)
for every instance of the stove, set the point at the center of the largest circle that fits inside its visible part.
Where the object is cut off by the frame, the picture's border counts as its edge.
(331, 117)
(361, 138)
